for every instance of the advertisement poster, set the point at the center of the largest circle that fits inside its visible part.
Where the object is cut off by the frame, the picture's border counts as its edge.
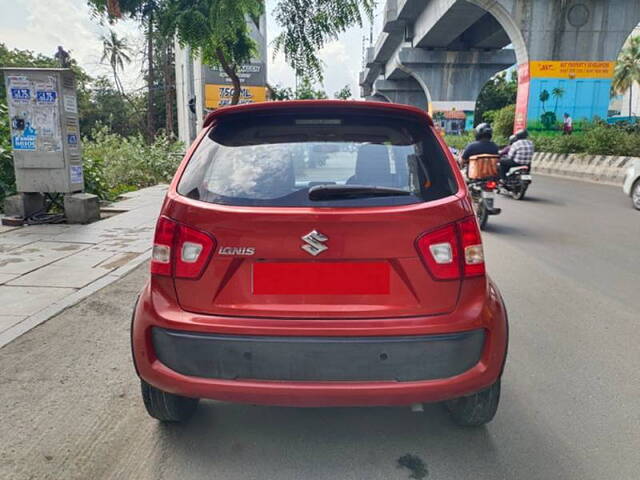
(75, 174)
(561, 91)
(522, 100)
(220, 95)
(35, 124)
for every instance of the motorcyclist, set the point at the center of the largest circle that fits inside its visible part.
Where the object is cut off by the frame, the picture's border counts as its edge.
(483, 144)
(520, 153)
(505, 151)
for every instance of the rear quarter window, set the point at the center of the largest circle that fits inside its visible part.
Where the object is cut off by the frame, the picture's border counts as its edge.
(274, 160)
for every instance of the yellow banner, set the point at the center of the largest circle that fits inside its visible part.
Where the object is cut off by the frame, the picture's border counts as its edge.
(220, 95)
(562, 69)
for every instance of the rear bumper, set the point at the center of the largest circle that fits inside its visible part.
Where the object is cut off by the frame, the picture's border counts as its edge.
(318, 362)
(234, 357)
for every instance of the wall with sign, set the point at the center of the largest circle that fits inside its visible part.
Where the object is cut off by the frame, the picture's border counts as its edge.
(547, 90)
(216, 96)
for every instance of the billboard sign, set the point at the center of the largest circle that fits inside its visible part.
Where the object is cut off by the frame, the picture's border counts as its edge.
(252, 74)
(216, 96)
(550, 90)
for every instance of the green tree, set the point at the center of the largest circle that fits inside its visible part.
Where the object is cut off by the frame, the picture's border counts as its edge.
(627, 70)
(439, 116)
(116, 51)
(307, 25)
(307, 91)
(147, 13)
(502, 120)
(544, 97)
(278, 93)
(218, 30)
(344, 93)
(497, 93)
(557, 93)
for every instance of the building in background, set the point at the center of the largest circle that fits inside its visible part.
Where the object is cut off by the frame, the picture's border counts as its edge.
(451, 122)
(201, 88)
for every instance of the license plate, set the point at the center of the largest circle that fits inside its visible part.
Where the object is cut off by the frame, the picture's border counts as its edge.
(321, 278)
(488, 194)
(525, 177)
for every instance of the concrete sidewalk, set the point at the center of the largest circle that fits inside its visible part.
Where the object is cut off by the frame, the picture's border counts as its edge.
(47, 268)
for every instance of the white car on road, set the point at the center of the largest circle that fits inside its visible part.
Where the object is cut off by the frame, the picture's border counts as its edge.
(631, 184)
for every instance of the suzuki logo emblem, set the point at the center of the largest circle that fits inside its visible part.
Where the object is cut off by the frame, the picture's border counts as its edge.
(314, 243)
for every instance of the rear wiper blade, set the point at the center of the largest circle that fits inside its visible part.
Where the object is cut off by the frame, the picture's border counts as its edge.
(342, 192)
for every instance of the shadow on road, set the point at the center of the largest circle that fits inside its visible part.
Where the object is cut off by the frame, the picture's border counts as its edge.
(541, 200)
(506, 229)
(239, 441)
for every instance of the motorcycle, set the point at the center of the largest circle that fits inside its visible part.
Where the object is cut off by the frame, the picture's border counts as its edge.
(483, 195)
(517, 182)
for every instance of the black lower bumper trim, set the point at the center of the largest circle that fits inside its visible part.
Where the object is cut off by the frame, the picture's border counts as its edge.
(408, 358)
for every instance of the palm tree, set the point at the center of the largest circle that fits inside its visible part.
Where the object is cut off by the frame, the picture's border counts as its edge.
(544, 97)
(627, 70)
(557, 93)
(116, 50)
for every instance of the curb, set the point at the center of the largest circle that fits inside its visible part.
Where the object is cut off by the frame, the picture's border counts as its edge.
(54, 309)
(607, 170)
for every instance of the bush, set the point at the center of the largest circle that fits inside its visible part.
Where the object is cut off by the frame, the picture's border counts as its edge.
(114, 164)
(7, 178)
(502, 121)
(459, 141)
(596, 138)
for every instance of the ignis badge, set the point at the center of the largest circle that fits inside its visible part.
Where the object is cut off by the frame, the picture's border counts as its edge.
(246, 251)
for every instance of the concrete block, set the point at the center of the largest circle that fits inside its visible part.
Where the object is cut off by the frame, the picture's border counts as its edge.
(24, 204)
(81, 208)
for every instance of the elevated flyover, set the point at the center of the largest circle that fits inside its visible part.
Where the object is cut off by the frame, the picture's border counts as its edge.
(439, 53)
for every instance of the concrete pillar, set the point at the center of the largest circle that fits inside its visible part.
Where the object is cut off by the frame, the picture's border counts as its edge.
(450, 76)
(406, 91)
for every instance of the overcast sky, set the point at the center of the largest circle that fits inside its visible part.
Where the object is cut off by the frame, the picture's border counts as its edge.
(42, 25)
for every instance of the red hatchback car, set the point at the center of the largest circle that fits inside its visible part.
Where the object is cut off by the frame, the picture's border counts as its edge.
(319, 253)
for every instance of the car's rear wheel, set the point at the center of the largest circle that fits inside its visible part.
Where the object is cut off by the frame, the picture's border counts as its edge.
(477, 409)
(165, 406)
(635, 195)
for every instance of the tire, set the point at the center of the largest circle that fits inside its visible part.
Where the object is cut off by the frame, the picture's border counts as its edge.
(165, 406)
(635, 195)
(519, 192)
(477, 409)
(482, 214)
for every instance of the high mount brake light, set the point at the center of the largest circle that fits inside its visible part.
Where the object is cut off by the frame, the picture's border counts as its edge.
(453, 251)
(180, 251)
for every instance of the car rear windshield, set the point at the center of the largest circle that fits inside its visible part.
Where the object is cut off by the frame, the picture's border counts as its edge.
(318, 161)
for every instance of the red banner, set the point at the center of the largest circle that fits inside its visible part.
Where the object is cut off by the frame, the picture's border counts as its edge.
(522, 100)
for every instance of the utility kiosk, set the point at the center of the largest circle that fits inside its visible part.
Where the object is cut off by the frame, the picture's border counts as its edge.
(45, 139)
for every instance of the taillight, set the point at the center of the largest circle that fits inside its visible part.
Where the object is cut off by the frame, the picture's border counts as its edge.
(179, 250)
(161, 254)
(439, 250)
(453, 251)
(473, 261)
(491, 185)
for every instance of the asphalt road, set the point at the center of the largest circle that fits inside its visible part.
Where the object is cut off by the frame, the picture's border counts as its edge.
(568, 263)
